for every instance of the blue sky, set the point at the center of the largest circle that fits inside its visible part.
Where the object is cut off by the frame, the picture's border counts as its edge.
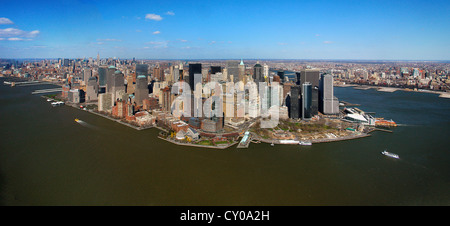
(391, 30)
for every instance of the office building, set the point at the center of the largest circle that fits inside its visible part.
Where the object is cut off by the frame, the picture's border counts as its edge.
(141, 69)
(258, 73)
(306, 100)
(328, 104)
(141, 91)
(194, 69)
(233, 70)
(102, 76)
(294, 105)
(92, 90)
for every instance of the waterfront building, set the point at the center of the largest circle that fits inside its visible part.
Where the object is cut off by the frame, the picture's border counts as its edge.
(74, 96)
(329, 104)
(105, 102)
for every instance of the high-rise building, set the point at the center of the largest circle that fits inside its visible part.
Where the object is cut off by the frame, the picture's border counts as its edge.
(233, 70)
(216, 69)
(118, 86)
(241, 71)
(141, 91)
(329, 104)
(281, 75)
(102, 76)
(194, 69)
(266, 71)
(109, 78)
(306, 100)
(87, 73)
(258, 73)
(294, 105)
(312, 76)
(141, 69)
(92, 90)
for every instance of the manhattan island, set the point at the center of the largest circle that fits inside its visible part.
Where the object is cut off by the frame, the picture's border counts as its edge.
(210, 103)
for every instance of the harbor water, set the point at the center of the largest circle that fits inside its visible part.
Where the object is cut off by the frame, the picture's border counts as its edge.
(46, 158)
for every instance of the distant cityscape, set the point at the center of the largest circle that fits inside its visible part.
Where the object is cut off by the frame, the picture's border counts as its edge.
(147, 93)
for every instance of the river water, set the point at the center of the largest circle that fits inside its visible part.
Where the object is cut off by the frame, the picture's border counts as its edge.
(46, 158)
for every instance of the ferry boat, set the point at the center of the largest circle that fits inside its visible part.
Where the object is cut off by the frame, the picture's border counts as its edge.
(57, 103)
(389, 154)
(305, 143)
(77, 120)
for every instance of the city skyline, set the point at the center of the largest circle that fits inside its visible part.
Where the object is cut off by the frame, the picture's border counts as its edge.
(369, 30)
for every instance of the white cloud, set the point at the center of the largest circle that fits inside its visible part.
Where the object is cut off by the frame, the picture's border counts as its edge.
(170, 13)
(152, 16)
(138, 30)
(156, 32)
(182, 40)
(162, 44)
(327, 42)
(15, 39)
(282, 43)
(14, 32)
(4, 20)
(109, 40)
(212, 42)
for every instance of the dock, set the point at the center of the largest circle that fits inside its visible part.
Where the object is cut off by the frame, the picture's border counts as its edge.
(245, 141)
(54, 90)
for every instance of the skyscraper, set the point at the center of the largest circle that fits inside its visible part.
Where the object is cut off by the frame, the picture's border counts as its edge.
(216, 69)
(306, 100)
(294, 108)
(109, 78)
(102, 76)
(194, 69)
(329, 104)
(92, 90)
(258, 73)
(141, 91)
(241, 71)
(87, 73)
(141, 69)
(312, 76)
(233, 70)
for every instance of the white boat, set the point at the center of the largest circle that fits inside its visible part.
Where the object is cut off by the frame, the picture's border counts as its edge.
(392, 155)
(305, 143)
(272, 144)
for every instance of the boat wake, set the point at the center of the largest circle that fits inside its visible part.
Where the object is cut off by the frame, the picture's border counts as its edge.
(85, 124)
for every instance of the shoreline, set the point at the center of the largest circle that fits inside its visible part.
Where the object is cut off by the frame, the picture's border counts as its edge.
(315, 141)
(393, 89)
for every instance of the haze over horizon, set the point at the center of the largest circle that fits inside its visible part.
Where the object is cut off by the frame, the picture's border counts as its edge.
(308, 30)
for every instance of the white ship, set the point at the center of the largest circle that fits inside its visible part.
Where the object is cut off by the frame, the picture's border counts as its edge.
(305, 143)
(392, 155)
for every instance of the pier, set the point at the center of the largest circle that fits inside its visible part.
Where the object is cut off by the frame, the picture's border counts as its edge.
(54, 90)
(245, 141)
